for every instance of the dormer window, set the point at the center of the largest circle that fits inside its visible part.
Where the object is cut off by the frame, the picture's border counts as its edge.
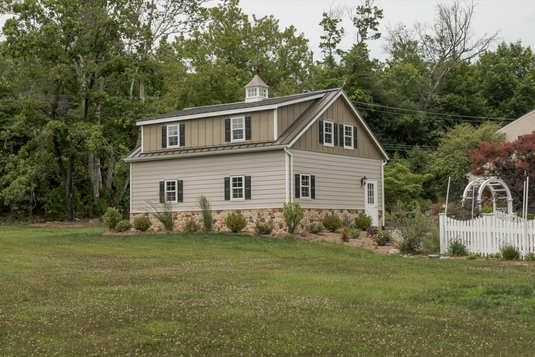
(256, 90)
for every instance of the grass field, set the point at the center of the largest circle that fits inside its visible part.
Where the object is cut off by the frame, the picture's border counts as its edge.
(74, 292)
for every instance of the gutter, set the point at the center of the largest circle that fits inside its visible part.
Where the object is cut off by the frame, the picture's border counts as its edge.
(205, 153)
(383, 187)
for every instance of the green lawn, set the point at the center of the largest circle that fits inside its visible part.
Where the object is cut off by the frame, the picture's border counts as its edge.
(74, 292)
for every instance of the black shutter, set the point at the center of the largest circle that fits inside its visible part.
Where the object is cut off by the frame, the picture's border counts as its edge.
(247, 187)
(227, 188)
(247, 128)
(297, 185)
(312, 186)
(164, 137)
(227, 131)
(162, 191)
(342, 135)
(180, 194)
(182, 134)
(335, 134)
(321, 132)
(355, 137)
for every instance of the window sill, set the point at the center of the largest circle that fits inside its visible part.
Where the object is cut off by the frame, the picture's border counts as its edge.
(237, 141)
(349, 148)
(237, 200)
(173, 147)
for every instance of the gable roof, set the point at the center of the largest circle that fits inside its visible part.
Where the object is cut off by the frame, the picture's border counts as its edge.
(321, 101)
(523, 117)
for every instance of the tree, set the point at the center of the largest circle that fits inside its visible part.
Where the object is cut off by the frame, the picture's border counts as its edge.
(452, 158)
(450, 42)
(512, 162)
(403, 185)
(331, 38)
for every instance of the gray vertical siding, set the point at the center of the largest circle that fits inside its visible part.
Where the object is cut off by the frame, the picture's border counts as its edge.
(337, 179)
(205, 175)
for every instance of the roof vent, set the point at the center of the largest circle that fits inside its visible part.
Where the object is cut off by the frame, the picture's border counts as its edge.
(256, 90)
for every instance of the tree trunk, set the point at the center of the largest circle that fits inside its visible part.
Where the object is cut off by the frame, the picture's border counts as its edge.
(93, 167)
(141, 92)
(109, 173)
(68, 190)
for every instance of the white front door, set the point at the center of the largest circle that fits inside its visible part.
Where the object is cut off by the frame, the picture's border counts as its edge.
(371, 206)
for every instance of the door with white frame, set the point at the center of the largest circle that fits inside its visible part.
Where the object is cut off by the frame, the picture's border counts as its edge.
(371, 206)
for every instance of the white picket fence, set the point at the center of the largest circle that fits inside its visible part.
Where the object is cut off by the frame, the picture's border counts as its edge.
(486, 234)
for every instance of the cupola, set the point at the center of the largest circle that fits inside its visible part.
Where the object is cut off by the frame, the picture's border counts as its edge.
(256, 90)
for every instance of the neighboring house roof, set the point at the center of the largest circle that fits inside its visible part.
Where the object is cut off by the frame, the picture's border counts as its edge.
(321, 102)
(522, 126)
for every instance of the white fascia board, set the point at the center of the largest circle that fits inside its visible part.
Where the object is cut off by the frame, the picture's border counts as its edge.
(227, 112)
(206, 153)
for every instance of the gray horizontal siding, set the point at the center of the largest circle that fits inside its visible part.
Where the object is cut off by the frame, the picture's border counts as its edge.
(205, 175)
(337, 179)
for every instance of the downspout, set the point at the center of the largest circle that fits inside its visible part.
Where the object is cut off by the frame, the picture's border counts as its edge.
(291, 189)
(131, 197)
(383, 187)
(287, 173)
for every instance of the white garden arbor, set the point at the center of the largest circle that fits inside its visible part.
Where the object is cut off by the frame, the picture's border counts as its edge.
(500, 193)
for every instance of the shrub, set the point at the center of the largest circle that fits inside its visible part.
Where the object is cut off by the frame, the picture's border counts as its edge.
(473, 256)
(236, 222)
(314, 228)
(354, 233)
(162, 212)
(344, 234)
(191, 226)
(142, 223)
(372, 232)
(206, 209)
(111, 217)
(432, 245)
(382, 238)
(457, 248)
(293, 214)
(414, 229)
(123, 226)
(509, 252)
(530, 257)
(363, 221)
(346, 222)
(487, 208)
(262, 228)
(495, 255)
(332, 222)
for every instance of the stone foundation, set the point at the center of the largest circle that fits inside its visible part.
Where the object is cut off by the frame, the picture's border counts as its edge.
(272, 216)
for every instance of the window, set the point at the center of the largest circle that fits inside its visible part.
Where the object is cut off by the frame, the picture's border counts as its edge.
(305, 186)
(328, 133)
(238, 128)
(170, 191)
(263, 92)
(348, 137)
(238, 188)
(251, 92)
(172, 136)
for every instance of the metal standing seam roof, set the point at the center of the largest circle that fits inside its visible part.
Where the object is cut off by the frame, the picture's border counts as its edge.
(213, 109)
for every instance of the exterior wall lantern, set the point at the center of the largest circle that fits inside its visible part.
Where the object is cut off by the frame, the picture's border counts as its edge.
(363, 180)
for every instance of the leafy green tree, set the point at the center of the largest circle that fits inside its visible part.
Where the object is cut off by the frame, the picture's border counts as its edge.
(403, 185)
(452, 158)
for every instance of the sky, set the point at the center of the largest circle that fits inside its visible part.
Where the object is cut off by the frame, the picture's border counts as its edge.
(515, 19)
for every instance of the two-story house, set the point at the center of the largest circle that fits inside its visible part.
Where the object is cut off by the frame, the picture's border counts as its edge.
(251, 157)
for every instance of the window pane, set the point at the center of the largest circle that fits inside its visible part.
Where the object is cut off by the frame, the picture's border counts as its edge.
(172, 130)
(348, 130)
(371, 191)
(328, 138)
(237, 123)
(348, 140)
(171, 185)
(237, 134)
(173, 140)
(305, 192)
(237, 182)
(328, 127)
(171, 196)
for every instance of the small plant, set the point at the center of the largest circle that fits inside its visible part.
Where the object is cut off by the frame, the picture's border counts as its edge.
(332, 223)
(473, 256)
(354, 233)
(314, 228)
(487, 208)
(293, 214)
(162, 211)
(191, 226)
(432, 245)
(262, 229)
(344, 234)
(236, 222)
(363, 221)
(457, 248)
(509, 252)
(123, 226)
(142, 223)
(495, 255)
(206, 209)
(530, 257)
(372, 232)
(111, 217)
(346, 222)
(382, 238)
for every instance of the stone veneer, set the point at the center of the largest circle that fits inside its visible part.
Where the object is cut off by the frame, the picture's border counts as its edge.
(271, 216)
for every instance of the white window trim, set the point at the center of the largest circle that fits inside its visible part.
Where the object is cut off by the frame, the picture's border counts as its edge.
(352, 134)
(232, 140)
(177, 138)
(309, 186)
(325, 132)
(232, 189)
(176, 191)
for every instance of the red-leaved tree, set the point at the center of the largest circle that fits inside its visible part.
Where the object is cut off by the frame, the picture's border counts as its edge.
(513, 162)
